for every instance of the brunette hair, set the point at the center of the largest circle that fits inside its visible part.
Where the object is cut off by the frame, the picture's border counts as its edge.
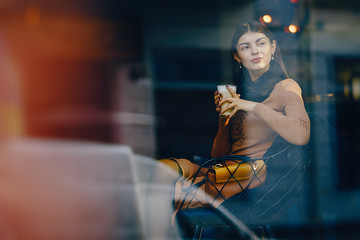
(253, 26)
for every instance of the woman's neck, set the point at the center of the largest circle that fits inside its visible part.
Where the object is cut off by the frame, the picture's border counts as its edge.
(256, 74)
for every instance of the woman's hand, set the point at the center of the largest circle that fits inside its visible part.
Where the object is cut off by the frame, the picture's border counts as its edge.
(235, 103)
(217, 98)
(223, 119)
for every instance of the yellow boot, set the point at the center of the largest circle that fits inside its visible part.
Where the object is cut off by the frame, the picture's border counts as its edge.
(172, 163)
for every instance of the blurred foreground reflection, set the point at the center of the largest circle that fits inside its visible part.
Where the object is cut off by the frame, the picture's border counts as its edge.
(79, 190)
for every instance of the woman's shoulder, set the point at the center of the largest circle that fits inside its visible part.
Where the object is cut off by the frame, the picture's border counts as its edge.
(288, 85)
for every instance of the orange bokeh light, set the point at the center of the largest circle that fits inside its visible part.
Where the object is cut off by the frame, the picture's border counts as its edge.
(267, 18)
(293, 28)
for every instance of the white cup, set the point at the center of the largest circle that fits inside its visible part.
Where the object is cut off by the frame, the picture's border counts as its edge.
(225, 94)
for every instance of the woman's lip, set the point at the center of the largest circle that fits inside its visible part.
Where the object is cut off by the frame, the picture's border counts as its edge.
(256, 60)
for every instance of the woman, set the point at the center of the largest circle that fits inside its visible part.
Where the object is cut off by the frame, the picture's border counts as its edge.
(269, 104)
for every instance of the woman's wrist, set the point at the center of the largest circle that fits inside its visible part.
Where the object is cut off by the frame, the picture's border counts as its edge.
(253, 105)
(223, 121)
(257, 106)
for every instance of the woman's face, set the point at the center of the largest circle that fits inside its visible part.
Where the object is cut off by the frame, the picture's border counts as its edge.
(254, 51)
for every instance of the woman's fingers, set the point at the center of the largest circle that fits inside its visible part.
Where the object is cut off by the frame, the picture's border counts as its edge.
(230, 100)
(228, 107)
(217, 98)
(233, 93)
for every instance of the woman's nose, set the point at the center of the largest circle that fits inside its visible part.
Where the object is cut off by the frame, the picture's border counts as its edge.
(255, 50)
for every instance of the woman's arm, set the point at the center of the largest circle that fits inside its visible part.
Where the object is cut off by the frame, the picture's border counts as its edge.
(294, 126)
(222, 144)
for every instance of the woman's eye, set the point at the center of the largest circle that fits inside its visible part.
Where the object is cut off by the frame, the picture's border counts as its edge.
(244, 47)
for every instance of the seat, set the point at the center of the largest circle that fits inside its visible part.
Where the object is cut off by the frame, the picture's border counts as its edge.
(249, 212)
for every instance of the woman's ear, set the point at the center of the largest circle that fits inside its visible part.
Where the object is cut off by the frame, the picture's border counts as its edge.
(273, 46)
(236, 57)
